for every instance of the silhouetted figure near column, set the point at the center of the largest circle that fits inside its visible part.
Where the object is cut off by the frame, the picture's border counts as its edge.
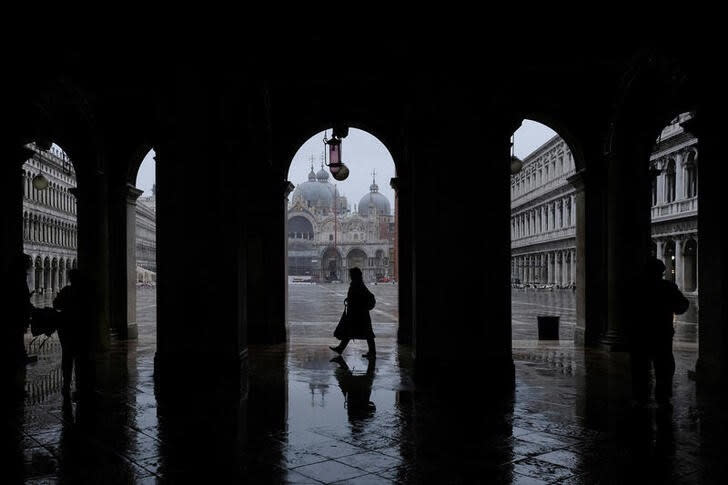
(357, 389)
(357, 324)
(658, 301)
(73, 331)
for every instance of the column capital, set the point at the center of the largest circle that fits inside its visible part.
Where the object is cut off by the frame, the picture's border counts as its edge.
(132, 193)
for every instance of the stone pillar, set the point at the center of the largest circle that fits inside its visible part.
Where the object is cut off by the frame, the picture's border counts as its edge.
(12, 369)
(559, 214)
(628, 235)
(125, 307)
(93, 248)
(712, 365)
(679, 178)
(660, 245)
(266, 258)
(660, 182)
(31, 277)
(679, 263)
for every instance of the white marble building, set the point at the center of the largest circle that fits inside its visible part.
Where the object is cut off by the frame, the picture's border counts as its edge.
(49, 219)
(49, 223)
(326, 238)
(543, 214)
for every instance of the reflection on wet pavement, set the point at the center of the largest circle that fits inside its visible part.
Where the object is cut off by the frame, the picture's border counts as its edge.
(307, 419)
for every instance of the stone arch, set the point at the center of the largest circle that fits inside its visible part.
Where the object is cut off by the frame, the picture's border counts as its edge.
(358, 257)
(386, 136)
(301, 223)
(331, 264)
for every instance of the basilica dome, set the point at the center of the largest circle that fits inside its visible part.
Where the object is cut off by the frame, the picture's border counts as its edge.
(317, 192)
(375, 200)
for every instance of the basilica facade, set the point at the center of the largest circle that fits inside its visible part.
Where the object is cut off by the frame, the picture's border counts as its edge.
(50, 229)
(543, 212)
(325, 237)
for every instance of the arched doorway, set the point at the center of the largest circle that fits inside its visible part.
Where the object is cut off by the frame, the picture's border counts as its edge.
(543, 231)
(333, 225)
(357, 258)
(331, 265)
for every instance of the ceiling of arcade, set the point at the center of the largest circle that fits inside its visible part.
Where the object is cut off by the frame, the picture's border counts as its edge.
(131, 99)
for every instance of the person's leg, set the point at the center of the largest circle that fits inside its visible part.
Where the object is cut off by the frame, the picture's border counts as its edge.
(342, 345)
(664, 371)
(66, 360)
(372, 353)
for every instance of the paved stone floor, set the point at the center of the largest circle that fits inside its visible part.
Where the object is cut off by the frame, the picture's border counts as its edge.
(310, 420)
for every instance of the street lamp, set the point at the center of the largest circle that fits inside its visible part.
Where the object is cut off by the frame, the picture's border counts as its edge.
(40, 182)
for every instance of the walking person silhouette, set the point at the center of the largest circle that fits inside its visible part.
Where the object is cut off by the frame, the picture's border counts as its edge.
(356, 322)
(659, 301)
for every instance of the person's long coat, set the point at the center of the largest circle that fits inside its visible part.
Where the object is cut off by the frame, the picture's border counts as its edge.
(359, 301)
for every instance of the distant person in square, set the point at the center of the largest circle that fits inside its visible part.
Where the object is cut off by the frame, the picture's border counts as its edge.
(356, 323)
(658, 302)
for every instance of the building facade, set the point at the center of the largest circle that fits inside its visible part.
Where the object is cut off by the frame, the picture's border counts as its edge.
(49, 219)
(543, 212)
(49, 223)
(325, 238)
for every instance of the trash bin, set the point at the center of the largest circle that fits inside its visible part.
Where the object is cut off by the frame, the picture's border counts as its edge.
(548, 327)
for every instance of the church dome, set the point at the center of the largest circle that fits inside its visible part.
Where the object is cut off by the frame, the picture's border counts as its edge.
(314, 194)
(375, 200)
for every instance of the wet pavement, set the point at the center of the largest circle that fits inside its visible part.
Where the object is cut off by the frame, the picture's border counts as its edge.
(310, 420)
(528, 304)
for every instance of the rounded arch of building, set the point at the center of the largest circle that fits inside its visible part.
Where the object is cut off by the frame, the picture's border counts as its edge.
(327, 251)
(562, 129)
(137, 154)
(304, 214)
(288, 150)
(356, 251)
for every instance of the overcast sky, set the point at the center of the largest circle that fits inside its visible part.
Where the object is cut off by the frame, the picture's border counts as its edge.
(362, 153)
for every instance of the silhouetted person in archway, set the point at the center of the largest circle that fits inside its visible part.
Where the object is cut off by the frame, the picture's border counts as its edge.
(357, 389)
(658, 302)
(358, 323)
(73, 332)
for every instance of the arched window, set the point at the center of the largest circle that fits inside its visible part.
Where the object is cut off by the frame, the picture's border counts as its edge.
(670, 181)
(691, 175)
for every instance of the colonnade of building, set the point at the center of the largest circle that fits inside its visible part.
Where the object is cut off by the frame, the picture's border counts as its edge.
(557, 213)
(553, 268)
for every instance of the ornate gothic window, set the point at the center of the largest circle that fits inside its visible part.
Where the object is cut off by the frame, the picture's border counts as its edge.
(670, 181)
(691, 175)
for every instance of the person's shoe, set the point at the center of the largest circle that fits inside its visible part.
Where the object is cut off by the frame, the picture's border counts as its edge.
(338, 359)
(337, 349)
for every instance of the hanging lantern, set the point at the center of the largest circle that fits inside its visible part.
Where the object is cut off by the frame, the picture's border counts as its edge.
(337, 168)
(40, 182)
